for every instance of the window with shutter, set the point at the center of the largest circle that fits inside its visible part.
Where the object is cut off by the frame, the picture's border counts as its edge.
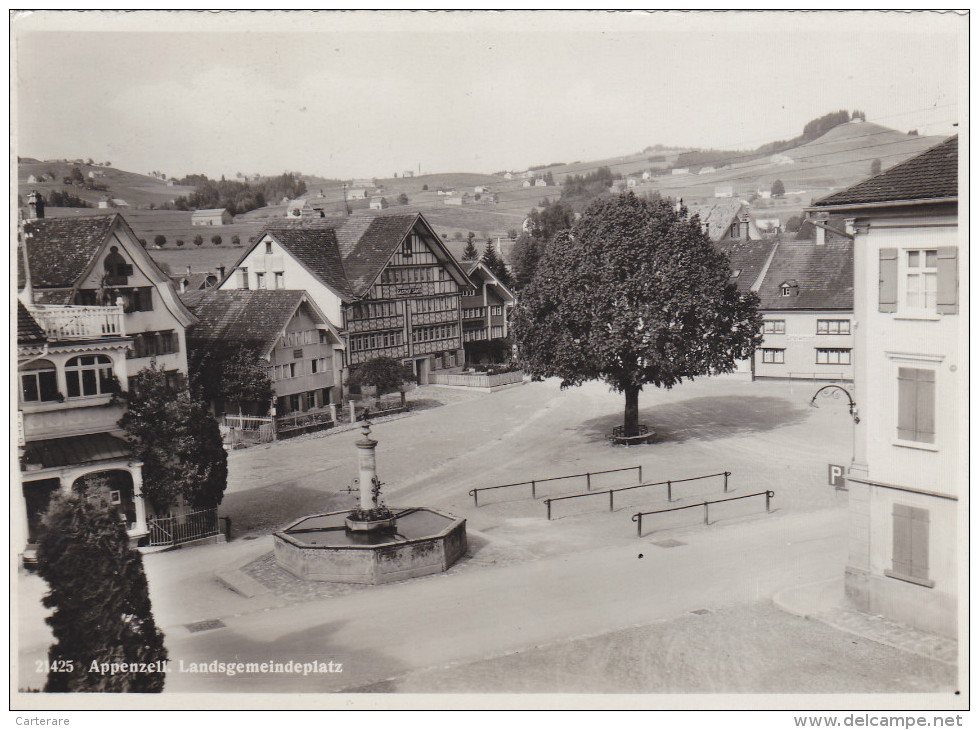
(910, 534)
(887, 298)
(948, 280)
(916, 405)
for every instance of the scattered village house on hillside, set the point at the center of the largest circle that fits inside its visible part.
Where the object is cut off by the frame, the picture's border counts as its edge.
(211, 217)
(909, 470)
(285, 329)
(93, 310)
(387, 282)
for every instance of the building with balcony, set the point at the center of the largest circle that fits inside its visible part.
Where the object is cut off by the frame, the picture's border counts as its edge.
(907, 557)
(88, 263)
(285, 328)
(71, 363)
(387, 283)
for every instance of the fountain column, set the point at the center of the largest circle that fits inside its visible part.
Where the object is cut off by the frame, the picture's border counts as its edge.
(367, 466)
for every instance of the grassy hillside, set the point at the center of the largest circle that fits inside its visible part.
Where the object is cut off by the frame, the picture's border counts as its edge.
(132, 187)
(839, 158)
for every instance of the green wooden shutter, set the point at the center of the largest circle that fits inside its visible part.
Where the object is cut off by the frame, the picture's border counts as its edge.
(907, 401)
(901, 546)
(887, 301)
(948, 280)
(918, 524)
(925, 406)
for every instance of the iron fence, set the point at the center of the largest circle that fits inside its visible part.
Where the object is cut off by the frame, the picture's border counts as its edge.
(474, 493)
(177, 529)
(637, 518)
(611, 492)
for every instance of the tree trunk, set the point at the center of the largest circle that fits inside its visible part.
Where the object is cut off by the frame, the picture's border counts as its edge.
(631, 423)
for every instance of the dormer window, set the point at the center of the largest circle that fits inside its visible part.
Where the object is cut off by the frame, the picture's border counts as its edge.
(789, 288)
(117, 270)
(736, 273)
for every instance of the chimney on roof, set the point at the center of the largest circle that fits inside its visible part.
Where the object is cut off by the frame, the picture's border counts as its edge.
(35, 205)
(188, 269)
(183, 286)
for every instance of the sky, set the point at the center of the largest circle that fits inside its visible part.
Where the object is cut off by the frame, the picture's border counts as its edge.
(346, 95)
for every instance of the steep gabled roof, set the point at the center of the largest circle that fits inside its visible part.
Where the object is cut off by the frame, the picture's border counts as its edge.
(718, 215)
(932, 175)
(240, 317)
(60, 250)
(374, 248)
(472, 267)
(748, 260)
(315, 247)
(29, 332)
(824, 275)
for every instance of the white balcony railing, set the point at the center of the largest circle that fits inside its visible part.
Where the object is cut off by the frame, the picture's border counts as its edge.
(79, 323)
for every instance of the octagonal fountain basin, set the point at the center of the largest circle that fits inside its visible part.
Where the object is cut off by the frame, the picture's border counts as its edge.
(321, 548)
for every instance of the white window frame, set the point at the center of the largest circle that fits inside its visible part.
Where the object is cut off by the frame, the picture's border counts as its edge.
(774, 352)
(923, 273)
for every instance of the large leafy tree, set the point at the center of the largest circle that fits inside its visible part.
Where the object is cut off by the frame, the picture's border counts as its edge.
(100, 599)
(239, 377)
(177, 440)
(634, 294)
(384, 373)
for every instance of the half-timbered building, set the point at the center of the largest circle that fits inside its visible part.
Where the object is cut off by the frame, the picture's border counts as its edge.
(388, 283)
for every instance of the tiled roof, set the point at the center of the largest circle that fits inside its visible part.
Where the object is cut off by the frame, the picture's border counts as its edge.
(248, 317)
(316, 247)
(931, 175)
(28, 330)
(748, 258)
(52, 296)
(195, 279)
(719, 215)
(209, 212)
(84, 449)
(824, 275)
(60, 249)
(375, 246)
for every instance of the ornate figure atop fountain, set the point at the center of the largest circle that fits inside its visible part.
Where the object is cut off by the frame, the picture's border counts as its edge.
(371, 514)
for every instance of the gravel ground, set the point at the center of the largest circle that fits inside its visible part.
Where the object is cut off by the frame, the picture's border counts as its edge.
(743, 649)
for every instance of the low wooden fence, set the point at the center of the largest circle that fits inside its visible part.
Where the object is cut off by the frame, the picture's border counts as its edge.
(476, 380)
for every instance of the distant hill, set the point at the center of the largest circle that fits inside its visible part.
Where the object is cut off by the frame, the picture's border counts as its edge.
(135, 189)
(840, 157)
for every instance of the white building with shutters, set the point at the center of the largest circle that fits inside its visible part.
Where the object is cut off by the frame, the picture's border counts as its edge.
(907, 555)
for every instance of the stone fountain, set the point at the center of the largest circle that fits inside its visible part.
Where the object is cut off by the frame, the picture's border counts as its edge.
(373, 543)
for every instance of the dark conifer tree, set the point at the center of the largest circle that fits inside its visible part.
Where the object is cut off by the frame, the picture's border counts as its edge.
(100, 599)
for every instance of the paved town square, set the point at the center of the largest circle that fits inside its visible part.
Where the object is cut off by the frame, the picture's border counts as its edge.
(532, 592)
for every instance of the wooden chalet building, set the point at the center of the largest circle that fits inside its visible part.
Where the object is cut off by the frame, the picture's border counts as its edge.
(485, 315)
(285, 329)
(387, 283)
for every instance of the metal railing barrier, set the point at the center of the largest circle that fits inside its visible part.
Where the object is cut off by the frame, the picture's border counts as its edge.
(637, 518)
(611, 492)
(474, 493)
